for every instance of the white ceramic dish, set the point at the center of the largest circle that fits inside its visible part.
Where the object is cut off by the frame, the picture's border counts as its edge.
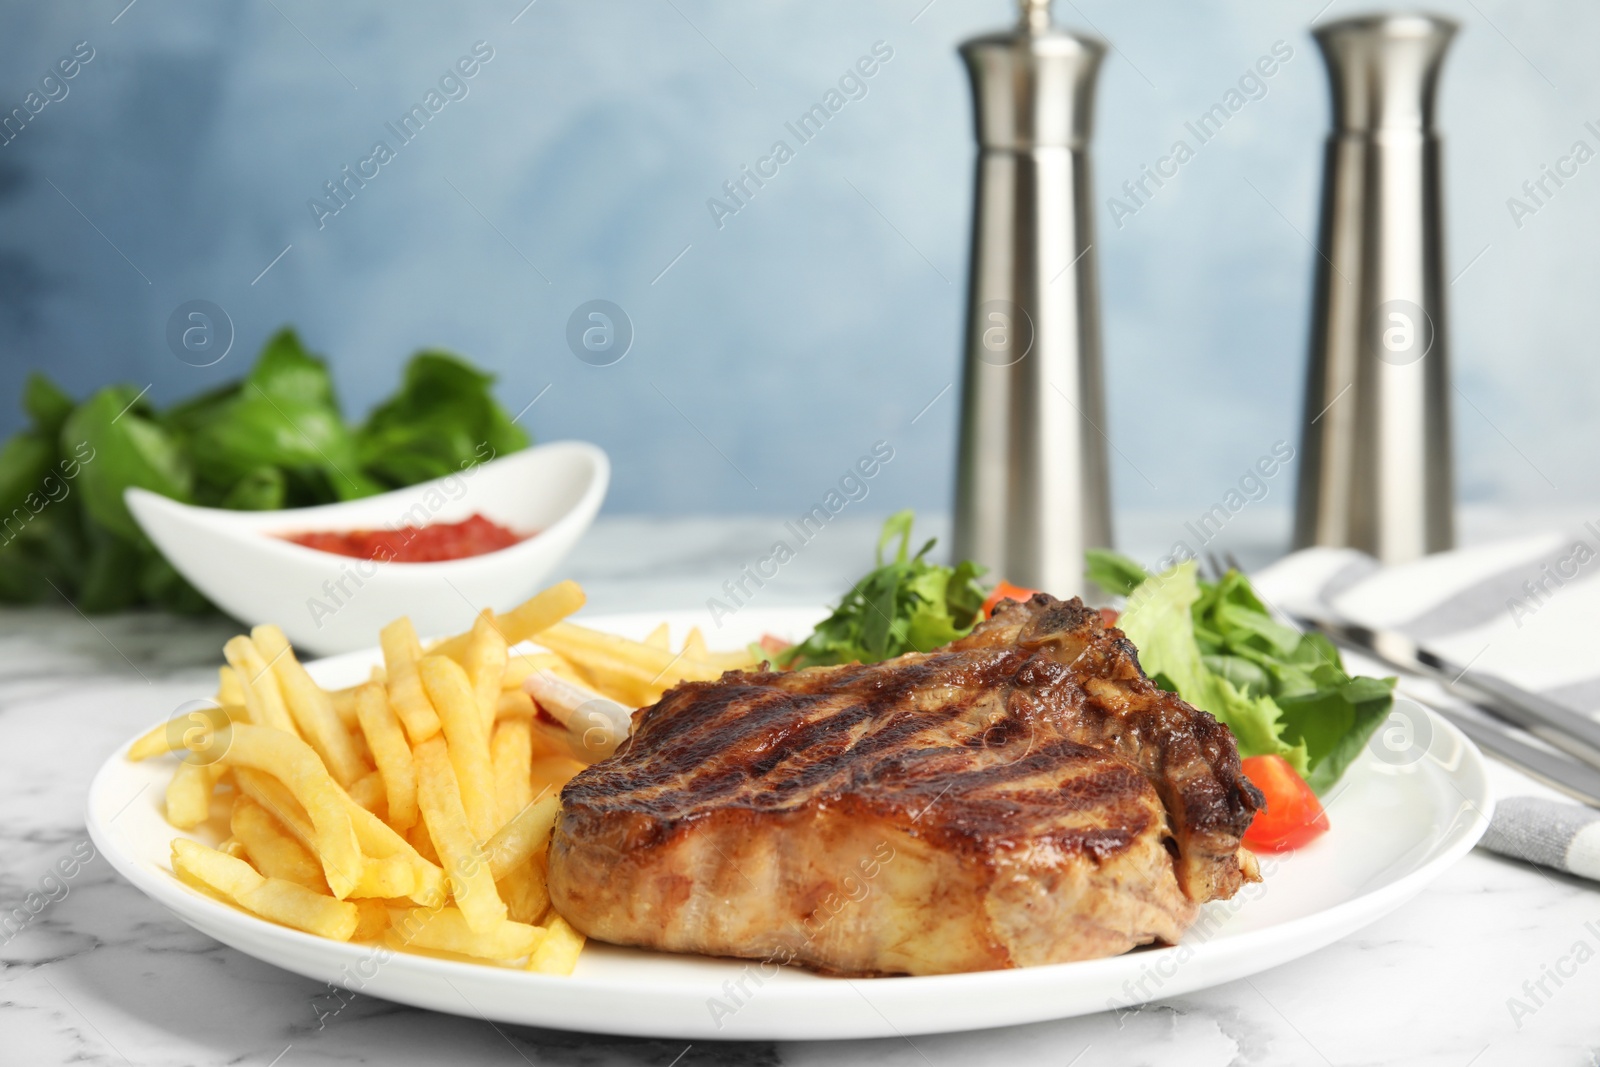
(330, 603)
(1395, 829)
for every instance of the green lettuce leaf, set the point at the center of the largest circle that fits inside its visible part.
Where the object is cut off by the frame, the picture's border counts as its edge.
(1281, 691)
(1158, 620)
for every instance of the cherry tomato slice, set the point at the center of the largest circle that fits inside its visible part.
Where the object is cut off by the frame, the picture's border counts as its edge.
(773, 645)
(1293, 815)
(1109, 616)
(1005, 591)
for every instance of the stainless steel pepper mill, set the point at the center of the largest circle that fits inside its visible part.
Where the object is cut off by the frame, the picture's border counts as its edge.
(1032, 484)
(1375, 463)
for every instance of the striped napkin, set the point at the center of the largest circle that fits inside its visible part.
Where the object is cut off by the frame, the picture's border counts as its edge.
(1525, 609)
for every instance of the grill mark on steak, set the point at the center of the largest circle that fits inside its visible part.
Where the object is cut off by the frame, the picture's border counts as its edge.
(1043, 799)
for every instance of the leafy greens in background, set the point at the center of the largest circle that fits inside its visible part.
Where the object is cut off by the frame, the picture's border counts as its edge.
(275, 440)
(905, 605)
(1280, 691)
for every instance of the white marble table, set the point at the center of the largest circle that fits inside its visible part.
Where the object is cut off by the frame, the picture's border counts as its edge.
(101, 975)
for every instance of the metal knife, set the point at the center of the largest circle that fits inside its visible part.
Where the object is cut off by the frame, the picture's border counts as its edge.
(1562, 727)
(1553, 769)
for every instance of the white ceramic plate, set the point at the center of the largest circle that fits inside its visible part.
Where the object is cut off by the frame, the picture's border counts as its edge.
(1397, 824)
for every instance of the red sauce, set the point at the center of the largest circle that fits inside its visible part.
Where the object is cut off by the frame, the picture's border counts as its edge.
(432, 543)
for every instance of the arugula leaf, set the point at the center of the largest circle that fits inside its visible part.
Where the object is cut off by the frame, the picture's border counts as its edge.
(904, 605)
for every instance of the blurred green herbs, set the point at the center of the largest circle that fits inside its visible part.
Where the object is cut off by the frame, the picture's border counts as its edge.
(274, 440)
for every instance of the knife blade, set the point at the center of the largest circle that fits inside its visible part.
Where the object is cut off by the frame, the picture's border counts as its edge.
(1567, 776)
(1554, 723)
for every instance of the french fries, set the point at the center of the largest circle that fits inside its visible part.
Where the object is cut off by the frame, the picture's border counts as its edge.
(271, 898)
(387, 741)
(439, 795)
(522, 838)
(401, 650)
(258, 685)
(272, 849)
(417, 807)
(447, 930)
(310, 707)
(511, 753)
(558, 952)
(450, 690)
(296, 766)
(532, 618)
(485, 661)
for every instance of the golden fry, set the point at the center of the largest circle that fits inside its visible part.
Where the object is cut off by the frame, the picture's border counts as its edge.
(523, 837)
(419, 839)
(532, 616)
(368, 791)
(293, 763)
(451, 693)
(401, 650)
(189, 794)
(439, 796)
(526, 892)
(380, 841)
(511, 752)
(660, 637)
(262, 697)
(558, 952)
(192, 728)
(514, 704)
(271, 898)
(552, 773)
(280, 804)
(344, 706)
(272, 849)
(372, 921)
(447, 930)
(694, 647)
(310, 707)
(485, 662)
(387, 740)
(229, 689)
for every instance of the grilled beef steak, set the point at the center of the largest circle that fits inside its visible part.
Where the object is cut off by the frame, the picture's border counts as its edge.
(1022, 796)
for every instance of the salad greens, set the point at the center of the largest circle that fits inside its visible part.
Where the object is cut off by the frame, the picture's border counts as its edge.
(274, 440)
(905, 605)
(1280, 691)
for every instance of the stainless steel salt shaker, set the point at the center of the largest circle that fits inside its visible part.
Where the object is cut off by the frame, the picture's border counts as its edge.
(1032, 483)
(1375, 463)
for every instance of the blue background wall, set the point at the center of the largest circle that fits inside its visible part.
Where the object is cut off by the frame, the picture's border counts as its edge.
(826, 314)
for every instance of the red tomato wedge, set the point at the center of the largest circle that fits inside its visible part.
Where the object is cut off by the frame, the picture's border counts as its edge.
(1109, 616)
(1293, 815)
(1005, 591)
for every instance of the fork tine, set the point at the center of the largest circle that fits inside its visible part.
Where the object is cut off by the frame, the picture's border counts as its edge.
(1218, 569)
